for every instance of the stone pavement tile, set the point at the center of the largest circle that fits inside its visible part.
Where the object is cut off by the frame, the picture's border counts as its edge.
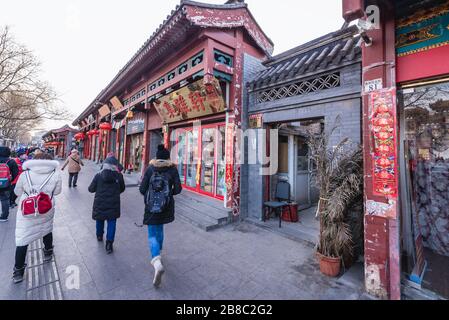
(286, 290)
(238, 261)
(121, 293)
(182, 264)
(66, 251)
(155, 294)
(247, 290)
(181, 288)
(86, 291)
(339, 293)
(8, 289)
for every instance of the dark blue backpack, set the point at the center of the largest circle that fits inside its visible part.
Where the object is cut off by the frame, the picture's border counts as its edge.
(159, 193)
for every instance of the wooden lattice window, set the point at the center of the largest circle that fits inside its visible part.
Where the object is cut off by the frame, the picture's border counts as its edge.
(299, 88)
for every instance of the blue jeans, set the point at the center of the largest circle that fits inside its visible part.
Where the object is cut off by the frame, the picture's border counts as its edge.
(112, 225)
(155, 239)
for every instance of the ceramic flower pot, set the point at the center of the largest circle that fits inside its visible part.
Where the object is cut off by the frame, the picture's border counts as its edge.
(329, 266)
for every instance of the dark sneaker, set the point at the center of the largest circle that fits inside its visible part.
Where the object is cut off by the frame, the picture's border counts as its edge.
(48, 255)
(2, 219)
(109, 247)
(74, 185)
(17, 276)
(100, 238)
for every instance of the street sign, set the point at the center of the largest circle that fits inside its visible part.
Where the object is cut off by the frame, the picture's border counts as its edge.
(373, 85)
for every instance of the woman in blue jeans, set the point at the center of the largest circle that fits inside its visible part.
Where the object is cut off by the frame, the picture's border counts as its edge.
(160, 183)
(107, 185)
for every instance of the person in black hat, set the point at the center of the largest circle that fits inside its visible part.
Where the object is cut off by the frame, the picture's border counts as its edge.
(160, 183)
(107, 185)
(8, 173)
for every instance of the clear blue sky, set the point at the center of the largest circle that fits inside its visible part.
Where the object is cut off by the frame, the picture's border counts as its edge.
(82, 44)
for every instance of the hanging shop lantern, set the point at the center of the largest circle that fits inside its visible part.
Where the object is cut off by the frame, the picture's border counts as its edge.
(106, 126)
(79, 136)
(96, 132)
(129, 114)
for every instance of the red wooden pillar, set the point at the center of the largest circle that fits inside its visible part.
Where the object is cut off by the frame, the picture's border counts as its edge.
(125, 146)
(117, 143)
(382, 248)
(146, 140)
(236, 97)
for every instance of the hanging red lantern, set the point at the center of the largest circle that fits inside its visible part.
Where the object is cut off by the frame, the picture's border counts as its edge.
(96, 132)
(106, 126)
(79, 136)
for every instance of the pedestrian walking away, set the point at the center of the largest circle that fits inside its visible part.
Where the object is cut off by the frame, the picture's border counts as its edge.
(36, 188)
(115, 161)
(13, 196)
(160, 183)
(74, 164)
(8, 174)
(107, 185)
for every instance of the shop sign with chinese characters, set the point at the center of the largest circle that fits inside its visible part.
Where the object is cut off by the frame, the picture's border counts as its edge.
(136, 124)
(255, 121)
(192, 101)
(383, 128)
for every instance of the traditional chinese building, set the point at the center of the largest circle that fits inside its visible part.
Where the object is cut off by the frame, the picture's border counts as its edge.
(313, 87)
(406, 144)
(184, 88)
(60, 141)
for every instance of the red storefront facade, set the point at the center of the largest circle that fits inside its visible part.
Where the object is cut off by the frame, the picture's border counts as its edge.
(60, 141)
(184, 88)
(406, 143)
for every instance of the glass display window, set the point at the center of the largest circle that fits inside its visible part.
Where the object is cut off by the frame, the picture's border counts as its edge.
(201, 158)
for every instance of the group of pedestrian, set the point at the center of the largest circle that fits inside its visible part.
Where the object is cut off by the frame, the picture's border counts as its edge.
(37, 181)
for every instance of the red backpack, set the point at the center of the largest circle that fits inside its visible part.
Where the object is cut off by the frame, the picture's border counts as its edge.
(5, 176)
(37, 202)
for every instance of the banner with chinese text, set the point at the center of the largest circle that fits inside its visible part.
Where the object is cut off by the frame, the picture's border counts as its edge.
(382, 106)
(192, 101)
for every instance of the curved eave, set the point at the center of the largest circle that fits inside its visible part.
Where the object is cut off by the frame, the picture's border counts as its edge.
(188, 14)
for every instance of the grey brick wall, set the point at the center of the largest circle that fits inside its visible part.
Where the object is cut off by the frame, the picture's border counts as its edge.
(343, 102)
(249, 196)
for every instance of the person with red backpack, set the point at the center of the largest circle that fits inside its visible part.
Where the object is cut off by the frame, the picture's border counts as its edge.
(13, 197)
(36, 188)
(8, 173)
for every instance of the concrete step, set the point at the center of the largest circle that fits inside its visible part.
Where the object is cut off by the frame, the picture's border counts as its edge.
(196, 219)
(221, 216)
(201, 211)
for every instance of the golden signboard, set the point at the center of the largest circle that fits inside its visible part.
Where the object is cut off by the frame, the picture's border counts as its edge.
(255, 121)
(116, 103)
(104, 111)
(192, 101)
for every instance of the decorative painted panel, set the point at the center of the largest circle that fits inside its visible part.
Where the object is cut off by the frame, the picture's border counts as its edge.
(179, 70)
(423, 31)
(382, 106)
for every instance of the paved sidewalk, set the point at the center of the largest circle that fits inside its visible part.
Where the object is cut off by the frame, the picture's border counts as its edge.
(239, 261)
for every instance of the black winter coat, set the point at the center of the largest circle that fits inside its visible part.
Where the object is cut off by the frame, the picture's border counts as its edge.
(170, 169)
(107, 186)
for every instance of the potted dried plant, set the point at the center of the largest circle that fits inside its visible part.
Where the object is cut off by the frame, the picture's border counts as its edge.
(339, 176)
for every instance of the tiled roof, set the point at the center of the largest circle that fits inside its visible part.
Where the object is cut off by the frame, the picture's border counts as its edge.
(187, 16)
(327, 52)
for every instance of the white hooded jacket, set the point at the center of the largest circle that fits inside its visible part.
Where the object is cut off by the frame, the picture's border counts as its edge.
(29, 229)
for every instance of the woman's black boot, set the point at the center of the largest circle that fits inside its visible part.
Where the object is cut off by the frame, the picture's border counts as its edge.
(109, 247)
